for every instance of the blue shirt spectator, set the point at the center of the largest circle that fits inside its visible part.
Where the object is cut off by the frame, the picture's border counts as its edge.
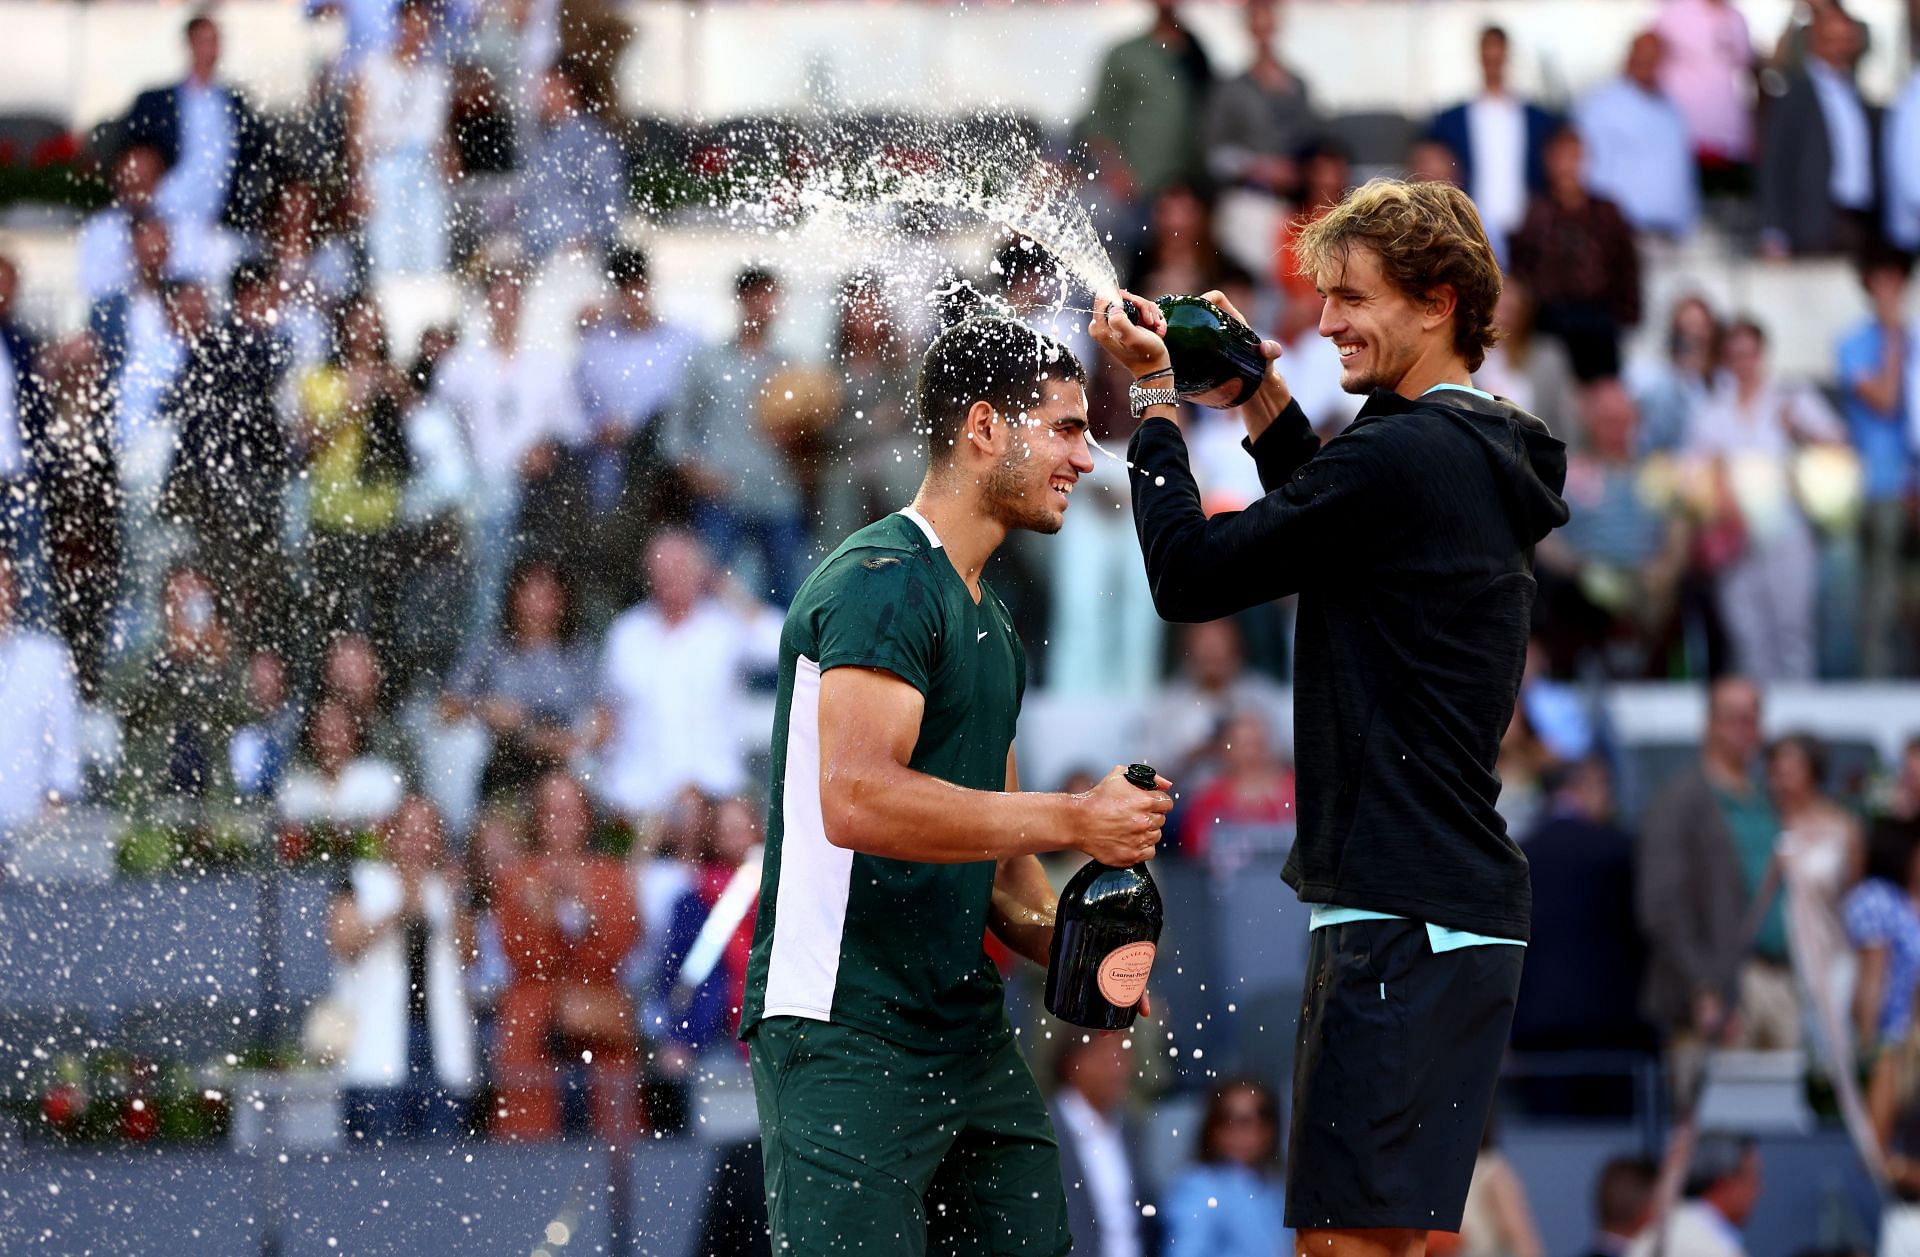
(1873, 358)
(574, 193)
(1638, 153)
(1229, 1204)
(1881, 916)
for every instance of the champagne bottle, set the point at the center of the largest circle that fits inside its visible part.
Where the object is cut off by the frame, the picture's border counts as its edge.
(1209, 348)
(1104, 935)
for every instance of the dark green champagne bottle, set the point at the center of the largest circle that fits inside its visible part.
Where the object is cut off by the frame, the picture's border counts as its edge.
(1104, 935)
(1209, 348)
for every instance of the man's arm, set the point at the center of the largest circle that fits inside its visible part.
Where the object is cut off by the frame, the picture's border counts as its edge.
(873, 803)
(1023, 899)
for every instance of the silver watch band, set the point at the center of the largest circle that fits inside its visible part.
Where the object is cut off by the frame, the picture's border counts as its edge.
(1141, 398)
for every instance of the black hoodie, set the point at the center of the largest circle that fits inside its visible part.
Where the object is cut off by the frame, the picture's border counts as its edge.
(1409, 538)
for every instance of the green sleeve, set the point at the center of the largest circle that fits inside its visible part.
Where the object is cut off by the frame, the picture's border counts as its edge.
(879, 609)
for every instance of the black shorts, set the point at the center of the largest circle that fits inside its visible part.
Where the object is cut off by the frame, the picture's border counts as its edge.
(1393, 1078)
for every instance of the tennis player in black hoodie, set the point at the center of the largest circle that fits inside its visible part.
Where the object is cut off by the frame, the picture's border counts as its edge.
(1409, 538)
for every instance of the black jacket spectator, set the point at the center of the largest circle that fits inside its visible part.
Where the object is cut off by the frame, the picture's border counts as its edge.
(1800, 210)
(154, 119)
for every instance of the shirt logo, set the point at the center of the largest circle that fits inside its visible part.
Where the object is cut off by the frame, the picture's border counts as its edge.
(980, 636)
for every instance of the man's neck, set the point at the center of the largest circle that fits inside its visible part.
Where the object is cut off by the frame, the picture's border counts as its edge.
(967, 533)
(1432, 369)
(1726, 774)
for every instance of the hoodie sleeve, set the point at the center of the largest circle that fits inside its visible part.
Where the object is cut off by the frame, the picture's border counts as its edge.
(1333, 509)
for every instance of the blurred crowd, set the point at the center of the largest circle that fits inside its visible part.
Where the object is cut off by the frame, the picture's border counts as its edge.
(475, 620)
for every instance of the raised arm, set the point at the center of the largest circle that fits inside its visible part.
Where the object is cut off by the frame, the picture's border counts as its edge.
(872, 802)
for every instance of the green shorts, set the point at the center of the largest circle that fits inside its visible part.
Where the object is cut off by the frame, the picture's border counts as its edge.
(875, 1148)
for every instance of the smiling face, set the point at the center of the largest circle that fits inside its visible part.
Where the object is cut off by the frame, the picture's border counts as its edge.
(1377, 328)
(1043, 453)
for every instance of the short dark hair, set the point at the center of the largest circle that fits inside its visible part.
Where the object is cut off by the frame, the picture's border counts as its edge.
(1493, 30)
(753, 279)
(194, 23)
(1811, 746)
(627, 266)
(1623, 1191)
(1884, 257)
(986, 358)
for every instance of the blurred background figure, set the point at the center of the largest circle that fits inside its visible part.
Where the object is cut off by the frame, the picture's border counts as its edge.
(1100, 1149)
(1230, 1202)
(1498, 1221)
(1623, 1198)
(1723, 1186)
(401, 937)
(1637, 150)
(1500, 141)
(39, 740)
(567, 921)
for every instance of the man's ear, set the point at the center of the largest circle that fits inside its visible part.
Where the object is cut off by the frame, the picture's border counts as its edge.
(983, 428)
(1438, 306)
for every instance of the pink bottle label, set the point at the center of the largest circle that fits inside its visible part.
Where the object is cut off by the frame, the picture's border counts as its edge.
(1123, 974)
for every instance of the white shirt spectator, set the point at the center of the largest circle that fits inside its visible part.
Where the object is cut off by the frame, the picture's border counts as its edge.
(1695, 1229)
(1103, 1157)
(1901, 164)
(673, 691)
(1758, 442)
(1497, 134)
(366, 793)
(103, 254)
(508, 405)
(39, 739)
(406, 104)
(628, 376)
(195, 190)
(1638, 156)
(1850, 183)
(154, 356)
(375, 987)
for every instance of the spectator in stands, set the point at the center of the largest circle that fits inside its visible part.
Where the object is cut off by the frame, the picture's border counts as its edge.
(1622, 1204)
(264, 748)
(1882, 916)
(574, 194)
(228, 480)
(104, 248)
(1100, 1151)
(397, 146)
(40, 738)
(1326, 174)
(1255, 122)
(1576, 253)
(402, 936)
(1586, 958)
(179, 706)
(23, 430)
(632, 362)
(1248, 808)
(351, 673)
(876, 449)
(1899, 141)
(1746, 438)
(1670, 391)
(1500, 141)
(314, 269)
(1893, 1103)
(531, 684)
(336, 794)
(1528, 369)
(670, 673)
(1820, 853)
(1638, 153)
(1708, 72)
(1722, 1188)
(744, 490)
(352, 433)
(1181, 728)
(567, 921)
(1147, 109)
(688, 1015)
(507, 397)
(1497, 1221)
(216, 149)
(1705, 846)
(1872, 367)
(1230, 1203)
(78, 481)
(1818, 182)
(1610, 578)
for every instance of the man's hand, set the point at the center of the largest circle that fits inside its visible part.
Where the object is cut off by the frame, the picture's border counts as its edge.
(1273, 395)
(1135, 345)
(1118, 823)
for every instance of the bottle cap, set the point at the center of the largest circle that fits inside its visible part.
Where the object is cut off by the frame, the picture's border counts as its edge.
(1142, 775)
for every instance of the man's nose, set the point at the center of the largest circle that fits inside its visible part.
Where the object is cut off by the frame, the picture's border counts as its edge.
(1082, 457)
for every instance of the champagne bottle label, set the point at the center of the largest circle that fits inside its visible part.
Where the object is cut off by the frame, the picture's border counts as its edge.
(1123, 974)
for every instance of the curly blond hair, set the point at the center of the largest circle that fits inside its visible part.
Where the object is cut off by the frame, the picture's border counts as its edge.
(1426, 235)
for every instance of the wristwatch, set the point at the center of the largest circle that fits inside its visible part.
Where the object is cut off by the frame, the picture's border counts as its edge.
(1141, 398)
